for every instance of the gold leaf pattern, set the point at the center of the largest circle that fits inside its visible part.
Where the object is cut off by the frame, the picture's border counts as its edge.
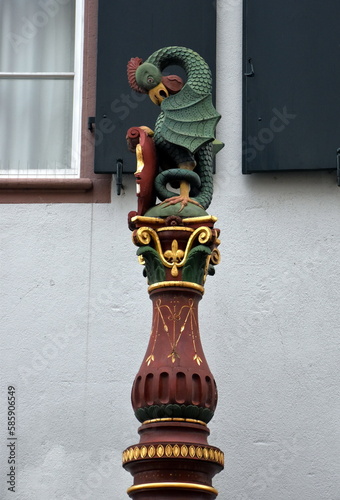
(160, 450)
(149, 359)
(197, 359)
(174, 321)
(168, 450)
(192, 451)
(176, 450)
(184, 450)
(173, 451)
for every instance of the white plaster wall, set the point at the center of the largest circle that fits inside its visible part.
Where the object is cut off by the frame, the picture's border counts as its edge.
(75, 319)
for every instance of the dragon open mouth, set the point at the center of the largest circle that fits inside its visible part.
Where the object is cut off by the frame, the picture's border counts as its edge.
(158, 94)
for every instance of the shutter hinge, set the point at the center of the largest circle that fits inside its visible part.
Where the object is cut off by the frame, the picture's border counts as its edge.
(251, 72)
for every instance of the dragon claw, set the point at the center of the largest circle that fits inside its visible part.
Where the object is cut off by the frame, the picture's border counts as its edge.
(183, 200)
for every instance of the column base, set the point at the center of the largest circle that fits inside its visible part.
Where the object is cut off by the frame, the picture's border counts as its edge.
(173, 460)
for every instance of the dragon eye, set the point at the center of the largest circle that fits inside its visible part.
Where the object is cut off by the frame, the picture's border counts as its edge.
(150, 79)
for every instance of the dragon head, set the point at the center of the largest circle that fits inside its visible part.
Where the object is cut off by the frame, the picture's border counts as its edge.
(147, 78)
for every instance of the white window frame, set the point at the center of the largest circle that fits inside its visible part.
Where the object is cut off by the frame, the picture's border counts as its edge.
(77, 77)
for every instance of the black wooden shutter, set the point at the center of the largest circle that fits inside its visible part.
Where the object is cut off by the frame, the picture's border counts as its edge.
(136, 28)
(292, 88)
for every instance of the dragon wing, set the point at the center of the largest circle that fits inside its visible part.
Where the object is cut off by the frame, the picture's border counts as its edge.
(190, 119)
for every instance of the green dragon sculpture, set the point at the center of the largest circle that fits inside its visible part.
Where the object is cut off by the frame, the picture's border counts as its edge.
(185, 129)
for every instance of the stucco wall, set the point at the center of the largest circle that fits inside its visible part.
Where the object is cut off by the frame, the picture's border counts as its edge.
(75, 319)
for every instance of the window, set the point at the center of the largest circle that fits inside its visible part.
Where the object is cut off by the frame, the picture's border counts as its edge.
(46, 82)
(40, 88)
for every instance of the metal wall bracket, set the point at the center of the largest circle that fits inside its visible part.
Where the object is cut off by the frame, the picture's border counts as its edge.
(90, 122)
(119, 176)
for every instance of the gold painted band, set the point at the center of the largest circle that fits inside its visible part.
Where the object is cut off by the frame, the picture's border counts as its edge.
(180, 284)
(175, 228)
(171, 451)
(184, 486)
(189, 420)
(203, 218)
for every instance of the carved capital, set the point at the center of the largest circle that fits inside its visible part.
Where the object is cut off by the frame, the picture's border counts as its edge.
(171, 252)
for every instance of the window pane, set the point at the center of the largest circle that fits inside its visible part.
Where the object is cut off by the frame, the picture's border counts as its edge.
(37, 132)
(37, 35)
